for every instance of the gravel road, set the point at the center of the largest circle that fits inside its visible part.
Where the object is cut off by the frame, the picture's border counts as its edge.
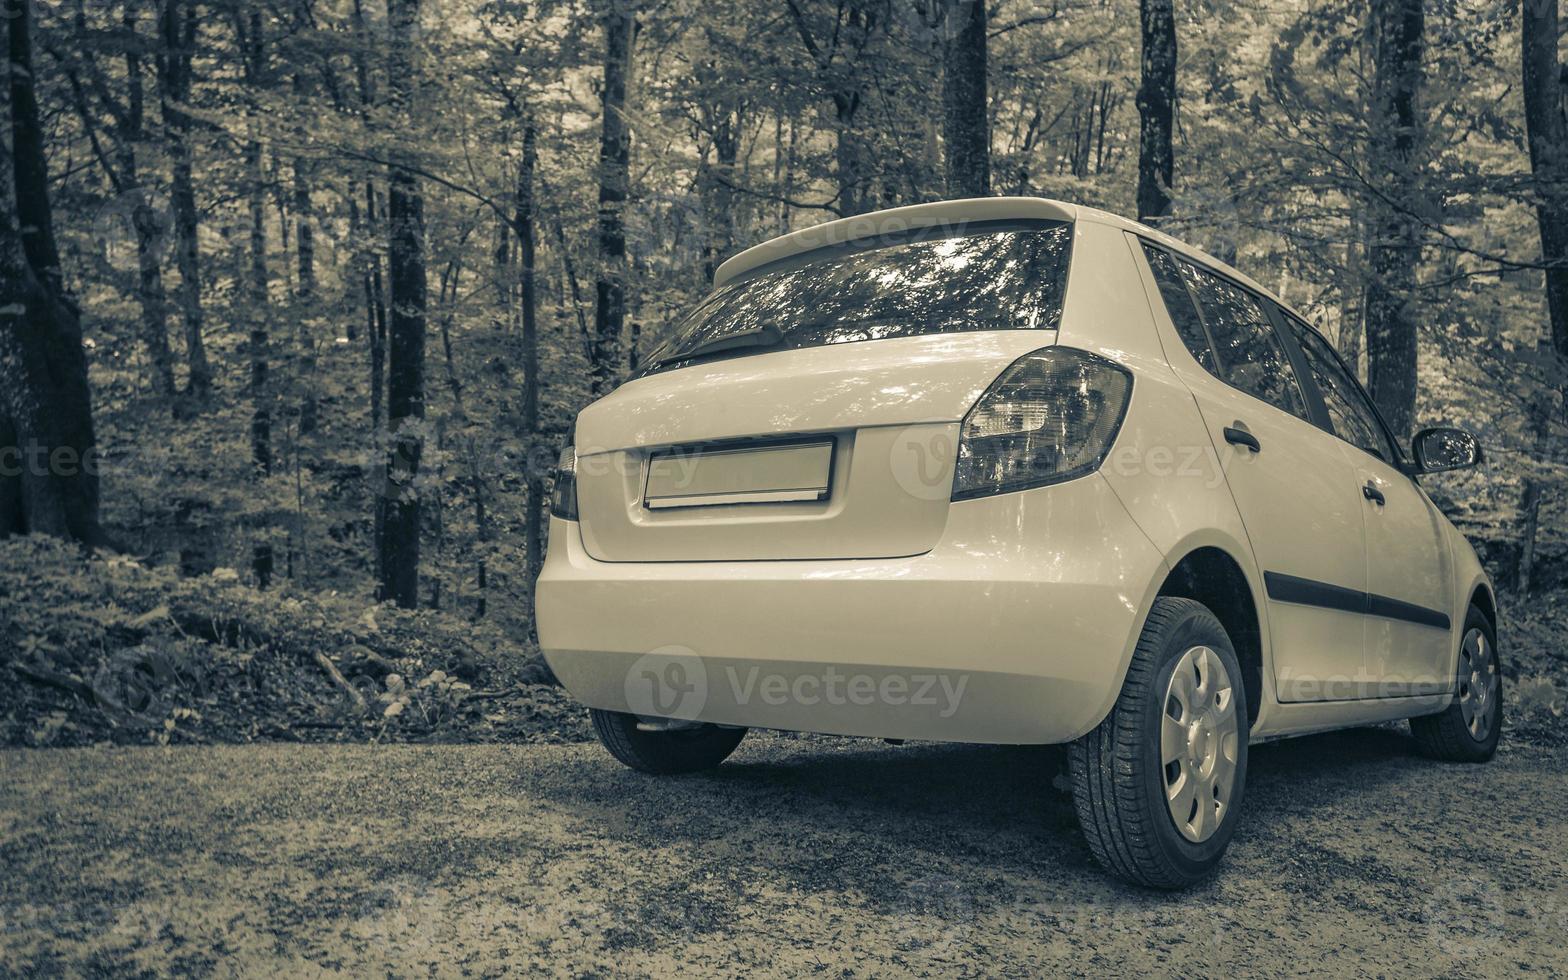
(842, 857)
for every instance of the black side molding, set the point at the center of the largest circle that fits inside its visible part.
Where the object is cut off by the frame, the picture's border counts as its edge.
(1409, 612)
(1310, 592)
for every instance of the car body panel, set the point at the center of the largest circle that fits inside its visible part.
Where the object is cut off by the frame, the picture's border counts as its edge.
(1041, 622)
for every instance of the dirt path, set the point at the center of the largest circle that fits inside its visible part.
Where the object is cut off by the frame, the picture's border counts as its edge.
(840, 857)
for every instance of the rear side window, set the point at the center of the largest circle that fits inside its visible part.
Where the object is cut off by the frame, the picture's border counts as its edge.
(1011, 279)
(1178, 303)
(1348, 410)
(1248, 350)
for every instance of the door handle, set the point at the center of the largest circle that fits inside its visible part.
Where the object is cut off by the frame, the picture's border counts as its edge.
(1372, 493)
(1237, 435)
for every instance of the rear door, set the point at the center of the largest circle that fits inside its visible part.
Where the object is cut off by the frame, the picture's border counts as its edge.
(1293, 482)
(1408, 635)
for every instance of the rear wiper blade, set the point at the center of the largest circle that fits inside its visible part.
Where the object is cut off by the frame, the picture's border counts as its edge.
(766, 335)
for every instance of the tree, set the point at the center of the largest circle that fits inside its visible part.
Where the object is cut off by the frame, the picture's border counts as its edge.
(248, 30)
(836, 55)
(609, 313)
(145, 221)
(48, 450)
(363, 230)
(966, 120)
(1546, 124)
(1397, 29)
(305, 252)
(397, 543)
(523, 230)
(177, 37)
(1156, 108)
(1546, 128)
(31, 169)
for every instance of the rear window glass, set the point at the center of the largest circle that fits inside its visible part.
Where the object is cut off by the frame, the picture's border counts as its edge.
(1250, 353)
(1002, 280)
(1178, 302)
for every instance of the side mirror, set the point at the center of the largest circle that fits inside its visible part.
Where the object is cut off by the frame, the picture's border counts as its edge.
(1440, 449)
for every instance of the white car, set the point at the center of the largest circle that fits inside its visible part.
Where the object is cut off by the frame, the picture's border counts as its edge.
(1012, 471)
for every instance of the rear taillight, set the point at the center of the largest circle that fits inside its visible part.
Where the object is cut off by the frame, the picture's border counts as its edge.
(563, 496)
(1051, 416)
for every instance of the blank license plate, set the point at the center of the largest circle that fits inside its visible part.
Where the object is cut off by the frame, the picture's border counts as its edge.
(756, 474)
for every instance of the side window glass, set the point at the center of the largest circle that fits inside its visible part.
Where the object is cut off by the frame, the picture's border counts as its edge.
(1347, 407)
(1178, 303)
(1246, 346)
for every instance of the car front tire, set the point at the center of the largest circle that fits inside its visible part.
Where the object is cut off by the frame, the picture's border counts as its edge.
(1158, 785)
(1468, 730)
(664, 752)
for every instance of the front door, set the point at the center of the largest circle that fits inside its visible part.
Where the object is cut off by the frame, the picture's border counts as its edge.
(1408, 648)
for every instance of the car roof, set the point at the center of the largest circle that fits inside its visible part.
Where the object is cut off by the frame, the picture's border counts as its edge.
(957, 214)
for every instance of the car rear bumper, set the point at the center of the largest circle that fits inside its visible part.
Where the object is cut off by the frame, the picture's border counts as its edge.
(1016, 628)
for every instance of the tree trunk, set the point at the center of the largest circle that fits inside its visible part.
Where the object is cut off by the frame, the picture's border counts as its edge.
(375, 316)
(719, 197)
(375, 293)
(1546, 127)
(32, 174)
(501, 266)
(1541, 418)
(1396, 250)
(1156, 109)
(147, 223)
(966, 128)
(398, 544)
(257, 289)
(177, 28)
(305, 298)
(48, 451)
(533, 520)
(305, 253)
(848, 154)
(609, 312)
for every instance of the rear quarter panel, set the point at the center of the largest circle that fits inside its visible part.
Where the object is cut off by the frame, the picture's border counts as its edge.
(1165, 468)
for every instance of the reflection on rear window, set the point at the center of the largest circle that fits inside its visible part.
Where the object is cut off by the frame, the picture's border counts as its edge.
(1002, 280)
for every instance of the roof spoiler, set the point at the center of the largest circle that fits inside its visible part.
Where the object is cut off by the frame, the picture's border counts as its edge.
(942, 219)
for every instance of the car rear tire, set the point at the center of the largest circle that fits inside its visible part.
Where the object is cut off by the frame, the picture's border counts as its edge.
(1468, 730)
(1176, 740)
(667, 752)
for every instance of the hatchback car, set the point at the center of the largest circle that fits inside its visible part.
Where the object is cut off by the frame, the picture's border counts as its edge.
(1012, 471)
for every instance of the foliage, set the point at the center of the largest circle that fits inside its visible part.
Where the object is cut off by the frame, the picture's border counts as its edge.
(1535, 674)
(109, 649)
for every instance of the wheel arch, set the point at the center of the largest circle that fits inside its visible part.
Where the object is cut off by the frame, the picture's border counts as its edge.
(1482, 597)
(1213, 576)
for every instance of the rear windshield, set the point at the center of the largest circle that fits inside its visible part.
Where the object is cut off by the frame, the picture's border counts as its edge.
(1008, 279)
